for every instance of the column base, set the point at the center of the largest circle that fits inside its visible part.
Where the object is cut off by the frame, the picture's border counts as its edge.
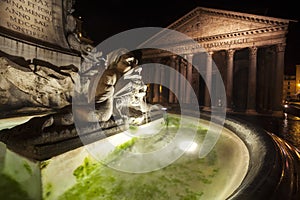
(277, 113)
(170, 101)
(155, 100)
(251, 111)
(218, 109)
(229, 110)
(206, 108)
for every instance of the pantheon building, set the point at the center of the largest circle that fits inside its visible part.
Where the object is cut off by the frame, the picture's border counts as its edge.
(246, 50)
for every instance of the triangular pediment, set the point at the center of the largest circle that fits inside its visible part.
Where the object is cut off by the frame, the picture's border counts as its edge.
(213, 25)
(204, 22)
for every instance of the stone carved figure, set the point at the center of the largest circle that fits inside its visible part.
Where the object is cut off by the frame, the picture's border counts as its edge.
(37, 85)
(70, 29)
(118, 99)
(54, 88)
(120, 88)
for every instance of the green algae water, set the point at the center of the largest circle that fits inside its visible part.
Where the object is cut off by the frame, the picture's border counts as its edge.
(79, 175)
(19, 177)
(11, 189)
(188, 178)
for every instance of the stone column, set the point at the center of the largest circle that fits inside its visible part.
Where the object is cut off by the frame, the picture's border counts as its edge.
(270, 87)
(229, 82)
(177, 79)
(279, 75)
(146, 77)
(189, 76)
(172, 80)
(156, 94)
(251, 101)
(208, 80)
(183, 81)
(163, 80)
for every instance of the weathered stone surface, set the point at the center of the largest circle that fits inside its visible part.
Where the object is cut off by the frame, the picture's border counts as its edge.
(217, 30)
(38, 86)
(38, 76)
(42, 21)
(36, 142)
(43, 30)
(40, 138)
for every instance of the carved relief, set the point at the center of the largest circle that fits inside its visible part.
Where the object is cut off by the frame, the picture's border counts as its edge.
(34, 20)
(190, 27)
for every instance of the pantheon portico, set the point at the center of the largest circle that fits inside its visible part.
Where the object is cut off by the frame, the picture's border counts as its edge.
(248, 51)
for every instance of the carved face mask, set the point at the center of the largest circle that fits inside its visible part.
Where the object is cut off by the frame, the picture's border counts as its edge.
(126, 63)
(114, 56)
(130, 61)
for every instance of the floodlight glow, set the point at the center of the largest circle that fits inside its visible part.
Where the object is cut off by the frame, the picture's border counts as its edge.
(188, 146)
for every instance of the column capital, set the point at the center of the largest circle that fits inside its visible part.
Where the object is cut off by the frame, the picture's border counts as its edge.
(230, 52)
(280, 47)
(253, 50)
(188, 57)
(174, 57)
(210, 53)
(173, 60)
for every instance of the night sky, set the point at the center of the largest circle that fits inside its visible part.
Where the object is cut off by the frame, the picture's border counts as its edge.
(103, 19)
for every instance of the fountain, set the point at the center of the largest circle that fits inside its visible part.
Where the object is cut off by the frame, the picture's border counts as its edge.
(138, 151)
(141, 151)
(245, 163)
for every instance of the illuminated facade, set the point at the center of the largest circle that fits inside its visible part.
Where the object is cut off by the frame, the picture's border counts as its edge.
(298, 81)
(247, 49)
(289, 88)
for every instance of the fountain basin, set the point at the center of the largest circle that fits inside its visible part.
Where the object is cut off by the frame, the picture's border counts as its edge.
(245, 163)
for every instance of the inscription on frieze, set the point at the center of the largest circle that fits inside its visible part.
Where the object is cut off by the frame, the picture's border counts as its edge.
(225, 43)
(34, 18)
(201, 46)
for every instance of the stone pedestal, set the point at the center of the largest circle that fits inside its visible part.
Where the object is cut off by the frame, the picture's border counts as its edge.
(39, 29)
